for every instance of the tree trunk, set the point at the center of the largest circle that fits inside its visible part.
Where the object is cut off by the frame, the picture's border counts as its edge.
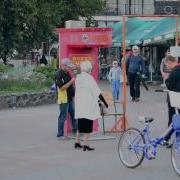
(4, 58)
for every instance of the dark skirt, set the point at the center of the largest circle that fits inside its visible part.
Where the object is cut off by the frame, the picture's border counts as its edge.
(85, 125)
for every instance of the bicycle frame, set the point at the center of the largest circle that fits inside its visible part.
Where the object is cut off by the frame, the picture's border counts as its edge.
(151, 144)
(139, 144)
(150, 148)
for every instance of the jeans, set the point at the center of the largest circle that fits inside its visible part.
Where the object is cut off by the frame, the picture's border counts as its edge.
(64, 109)
(171, 111)
(169, 133)
(134, 83)
(115, 85)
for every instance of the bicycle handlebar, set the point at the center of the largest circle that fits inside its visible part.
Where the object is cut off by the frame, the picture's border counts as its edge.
(161, 90)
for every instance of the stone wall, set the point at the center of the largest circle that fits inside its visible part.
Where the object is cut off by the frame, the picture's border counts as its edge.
(26, 99)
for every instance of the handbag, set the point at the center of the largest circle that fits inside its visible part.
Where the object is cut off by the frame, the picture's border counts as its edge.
(102, 107)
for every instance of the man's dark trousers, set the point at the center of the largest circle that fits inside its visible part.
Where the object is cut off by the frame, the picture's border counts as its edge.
(134, 83)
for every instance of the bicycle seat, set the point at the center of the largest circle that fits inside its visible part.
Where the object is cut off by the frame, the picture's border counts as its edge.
(146, 119)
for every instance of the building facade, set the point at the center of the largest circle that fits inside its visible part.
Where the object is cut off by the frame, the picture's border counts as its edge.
(123, 7)
(114, 11)
(116, 8)
(167, 7)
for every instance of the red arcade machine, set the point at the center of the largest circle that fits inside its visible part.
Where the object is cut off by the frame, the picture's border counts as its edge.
(81, 44)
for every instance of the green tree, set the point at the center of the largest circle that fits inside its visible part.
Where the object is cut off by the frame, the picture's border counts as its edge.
(73, 9)
(1, 7)
(24, 24)
(32, 24)
(8, 28)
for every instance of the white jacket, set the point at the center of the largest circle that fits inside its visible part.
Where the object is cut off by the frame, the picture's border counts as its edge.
(115, 74)
(86, 97)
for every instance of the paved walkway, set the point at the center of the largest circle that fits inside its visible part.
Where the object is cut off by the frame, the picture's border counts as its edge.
(29, 149)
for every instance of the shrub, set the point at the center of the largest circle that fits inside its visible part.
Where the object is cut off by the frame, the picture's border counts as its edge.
(27, 79)
(4, 68)
(48, 71)
(15, 85)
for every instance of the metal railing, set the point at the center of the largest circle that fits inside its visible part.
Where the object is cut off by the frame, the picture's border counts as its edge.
(114, 9)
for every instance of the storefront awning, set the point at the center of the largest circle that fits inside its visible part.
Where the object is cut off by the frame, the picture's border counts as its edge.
(164, 30)
(145, 32)
(137, 36)
(131, 25)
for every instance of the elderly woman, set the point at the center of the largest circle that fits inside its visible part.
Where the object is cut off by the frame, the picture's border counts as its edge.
(86, 104)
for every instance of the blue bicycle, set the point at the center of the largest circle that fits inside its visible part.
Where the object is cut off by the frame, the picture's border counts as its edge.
(135, 145)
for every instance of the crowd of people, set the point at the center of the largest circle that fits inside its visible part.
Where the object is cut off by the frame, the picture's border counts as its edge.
(79, 95)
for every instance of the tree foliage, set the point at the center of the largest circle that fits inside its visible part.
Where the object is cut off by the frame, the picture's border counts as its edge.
(24, 24)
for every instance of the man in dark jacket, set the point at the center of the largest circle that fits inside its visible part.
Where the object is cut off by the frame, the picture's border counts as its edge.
(66, 93)
(173, 84)
(135, 66)
(173, 81)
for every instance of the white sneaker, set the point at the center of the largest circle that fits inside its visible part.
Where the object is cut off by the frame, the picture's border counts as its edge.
(163, 85)
(61, 138)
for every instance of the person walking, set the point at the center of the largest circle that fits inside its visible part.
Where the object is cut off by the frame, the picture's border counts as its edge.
(66, 93)
(135, 67)
(165, 70)
(114, 76)
(43, 60)
(86, 104)
(55, 62)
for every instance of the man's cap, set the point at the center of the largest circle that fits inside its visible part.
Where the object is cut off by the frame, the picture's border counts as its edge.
(115, 62)
(135, 47)
(170, 58)
(67, 62)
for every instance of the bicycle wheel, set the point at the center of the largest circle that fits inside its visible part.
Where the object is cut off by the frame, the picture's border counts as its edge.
(175, 157)
(130, 155)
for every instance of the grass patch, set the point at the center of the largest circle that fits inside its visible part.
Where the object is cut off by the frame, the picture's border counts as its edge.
(13, 85)
(4, 68)
(28, 79)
